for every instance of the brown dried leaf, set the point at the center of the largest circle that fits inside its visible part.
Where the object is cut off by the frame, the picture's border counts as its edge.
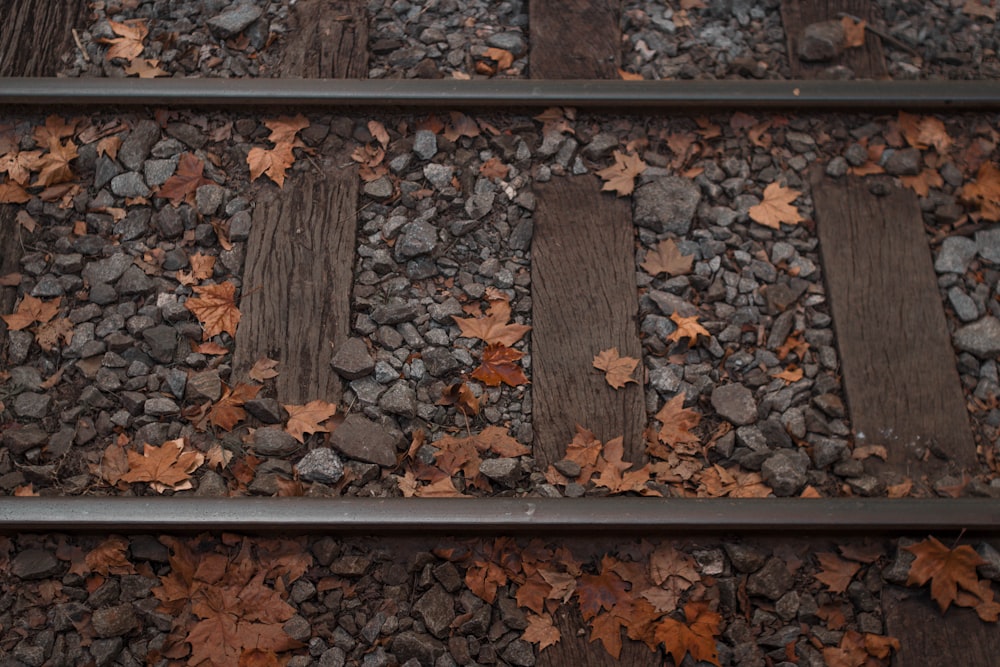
(854, 32)
(307, 418)
(165, 467)
(618, 370)
(31, 310)
(948, 570)
(836, 572)
(667, 258)
(228, 411)
(776, 207)
(493, 327)
(129, 43)
(498, 366)
(185, 182)
(687, 327)
(263, 369)
(620, 177)
(215, 307)
(541, 631)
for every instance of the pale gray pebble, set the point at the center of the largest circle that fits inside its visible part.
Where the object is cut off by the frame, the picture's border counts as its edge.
(955, 254)
(320, 465)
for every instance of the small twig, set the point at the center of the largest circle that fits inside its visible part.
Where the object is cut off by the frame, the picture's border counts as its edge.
(79, 45)
(884, 36)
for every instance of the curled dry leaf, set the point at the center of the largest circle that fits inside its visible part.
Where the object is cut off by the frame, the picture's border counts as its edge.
(228, 411)
(617, 369)
(985, 192)
(460, 395)
(307, 418)
(620, 177)
(687, 327)
(167, 467)
(498, 366)
(181, 187)
(31, 310)
(667, 258)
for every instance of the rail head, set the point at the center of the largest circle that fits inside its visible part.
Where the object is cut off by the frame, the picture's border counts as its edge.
(617, 96)
(400, 516)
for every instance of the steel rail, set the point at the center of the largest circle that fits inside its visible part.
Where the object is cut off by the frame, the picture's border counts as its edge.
(617, 96)
(498, 515)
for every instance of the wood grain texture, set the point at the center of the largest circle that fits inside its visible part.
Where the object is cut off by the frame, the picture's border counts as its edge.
(926, 638)
(575, 39)
(899, 368)
(328, 39)
(584, 301)
(867, 62)
(35, 35)
(10, 257)
(297, 282)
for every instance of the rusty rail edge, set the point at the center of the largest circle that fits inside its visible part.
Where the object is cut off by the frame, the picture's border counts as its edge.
(617, 96)
(498, 515)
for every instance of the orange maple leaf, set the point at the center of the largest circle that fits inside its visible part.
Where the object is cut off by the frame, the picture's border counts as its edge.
(596, 592)
(49, 334)
(854, 32)
(20, 164)
(306, 418)
(185, 181)
(836, 572)
(985, 192)
(695, 635)
(776, 207)
(617, 369)
(128, 45)
(667, 258)
(54, 129)
(31, 310)
(541, 631)
(948, 570)
(228, 411)
(12, 193)
(271, 161)
(620, 177)
(284, 128)
(924, 131)
(687, 327)
(677, 423)
(165, 467)
(498, 366)
(55, 164)
(215, 307)
(145, 68)
(493, 327)
(263, 369)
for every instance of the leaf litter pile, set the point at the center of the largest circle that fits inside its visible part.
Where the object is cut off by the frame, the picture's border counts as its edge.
(231, 599)
(124, 308)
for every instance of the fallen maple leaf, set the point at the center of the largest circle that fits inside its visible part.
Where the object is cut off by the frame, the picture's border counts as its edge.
(854, 32)
(687, 327)
(228, 411)
(185, 182)
(497, 365)
(50, 334)
(677, 422)
(946, 569)
(461, 396)
(306, 418)
(790, 374)
(617, 369)
(271, 161)
(263, 369)
(985, 192)
(12, 193)
(620, 177)
(504, 59)
(667, 258)
(31, 310)
(541, 631)
(776, 207)
(55, 164)
(19, 165)
(979, 8)
(129, 43)
(494, 169)
(146, 68)
(167, 467)
(922, 132)
(695, 635)
(836, 572)
(215, 307)
(493, 327)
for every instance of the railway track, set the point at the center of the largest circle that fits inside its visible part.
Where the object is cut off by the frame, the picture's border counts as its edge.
(407, 575)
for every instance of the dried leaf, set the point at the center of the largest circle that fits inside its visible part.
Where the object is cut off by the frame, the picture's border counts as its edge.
(854, 32)
(493, 327)
(215, 307)
(677, 423)
(50, 334)
(503, 58)
(31, 310)
(498, 366)
(541, 631)
(12, 193)
(461, 396)
(271, 161)
(617, 370)
(263, 369)
(985, 192)
(687, 327)
(696, 635)
(165, 467)
(667, 258)
(185, 182)
(307, 418)
(228, 411)
(980, 8)
(836, 572)
(948, 570)
(145, 68)
(494, 169)
(129, 43)
(55, 164)
(776, 207)
(620, 177)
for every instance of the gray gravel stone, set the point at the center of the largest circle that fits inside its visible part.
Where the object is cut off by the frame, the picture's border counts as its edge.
(416, 238)
(980, 338)
(31, 405)
(439, 361)
(134, 282)
(988, 244)
(274, 441)
(114, 621)
(160, 407)
(267, 410)
(395, 313)
(399, 399)
(667, 204)
(828, 451)
(479, 204)
(158, 171)
(771, 581)
(162, 341)
(507, 471)
(352, 360)
(360, 438)
(955, 254)
(35, 564)
(821, 41)
(104, 170)
(745, 558)
(135, 149)
(208, 198)
(234, 20)
(785, 471)
(106, 270)
(964, 305)
(130, 184)
(436, 608)
(422, 647)
(425, 144)
(735, 403)
(508, 41)
(439, 175)
(380, 188)
(520, 653)
(904, 162)
(321, 465)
